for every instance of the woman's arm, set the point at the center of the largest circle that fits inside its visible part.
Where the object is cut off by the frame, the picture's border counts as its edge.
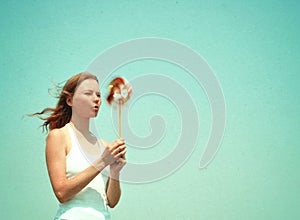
(113, 189)
(64, 188)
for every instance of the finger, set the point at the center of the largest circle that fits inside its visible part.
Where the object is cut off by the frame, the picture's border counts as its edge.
(117, 143)
(118, 150)
(112, 146)
(121, 154)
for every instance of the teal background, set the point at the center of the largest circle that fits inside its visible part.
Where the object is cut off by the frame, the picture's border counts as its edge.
(253, 48)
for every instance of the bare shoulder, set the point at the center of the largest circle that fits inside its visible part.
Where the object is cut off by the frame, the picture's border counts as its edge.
(57, 138)
(57, 133)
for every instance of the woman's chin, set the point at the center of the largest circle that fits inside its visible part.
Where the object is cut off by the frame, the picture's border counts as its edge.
(94, 115)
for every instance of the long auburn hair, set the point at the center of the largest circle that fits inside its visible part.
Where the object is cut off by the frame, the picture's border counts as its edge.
(61, 114)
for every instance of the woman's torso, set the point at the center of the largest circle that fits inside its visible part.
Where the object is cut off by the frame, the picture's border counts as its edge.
(91, 202)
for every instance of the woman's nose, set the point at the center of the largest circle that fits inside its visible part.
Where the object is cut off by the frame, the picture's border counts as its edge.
(97, 99)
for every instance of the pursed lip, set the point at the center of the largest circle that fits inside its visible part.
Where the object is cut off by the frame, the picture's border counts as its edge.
(96, 107)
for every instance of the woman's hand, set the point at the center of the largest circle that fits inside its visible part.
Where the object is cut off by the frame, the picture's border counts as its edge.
(116, 167)
(120, 161)
(112, 153)
(113, 190)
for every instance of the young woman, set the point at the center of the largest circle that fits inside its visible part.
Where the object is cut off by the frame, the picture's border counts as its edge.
(76, 158)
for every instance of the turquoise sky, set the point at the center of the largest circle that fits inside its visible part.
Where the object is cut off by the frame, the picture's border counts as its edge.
(253, 49)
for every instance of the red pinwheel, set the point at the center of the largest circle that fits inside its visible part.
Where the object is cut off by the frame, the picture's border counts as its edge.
(119, 93)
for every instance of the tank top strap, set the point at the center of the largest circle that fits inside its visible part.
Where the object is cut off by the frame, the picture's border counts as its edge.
(72, 134)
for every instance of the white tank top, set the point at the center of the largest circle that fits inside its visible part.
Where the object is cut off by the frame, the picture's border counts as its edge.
(90, 203)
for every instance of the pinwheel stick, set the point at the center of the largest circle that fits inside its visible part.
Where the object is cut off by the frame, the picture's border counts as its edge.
(120, 118)
(119, 93)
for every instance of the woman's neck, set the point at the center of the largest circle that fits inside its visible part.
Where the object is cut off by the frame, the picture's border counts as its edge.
(83, 126)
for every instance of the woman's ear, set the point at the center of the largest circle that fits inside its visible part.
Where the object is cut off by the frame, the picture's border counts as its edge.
(69, 101)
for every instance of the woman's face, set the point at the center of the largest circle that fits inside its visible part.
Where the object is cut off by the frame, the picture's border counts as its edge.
(86, 100)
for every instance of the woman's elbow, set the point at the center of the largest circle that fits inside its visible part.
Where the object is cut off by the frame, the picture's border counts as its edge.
(112, 205)
(61, 196)
(113, 202)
